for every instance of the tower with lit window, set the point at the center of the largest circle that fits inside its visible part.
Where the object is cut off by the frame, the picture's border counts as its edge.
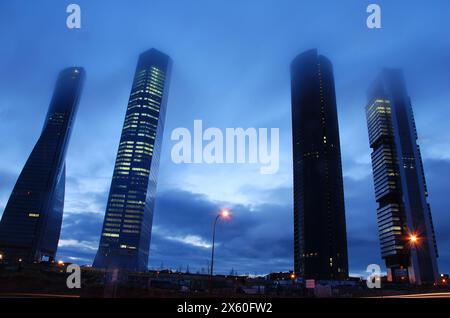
(405, 226)
(31, 223)
(320, 239)
(127, 226)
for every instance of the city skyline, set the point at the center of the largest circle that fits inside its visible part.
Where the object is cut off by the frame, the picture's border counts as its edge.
(226, 87)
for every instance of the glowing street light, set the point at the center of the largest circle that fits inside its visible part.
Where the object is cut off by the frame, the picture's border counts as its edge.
(61, 263)
(413, 238)
(225, 215)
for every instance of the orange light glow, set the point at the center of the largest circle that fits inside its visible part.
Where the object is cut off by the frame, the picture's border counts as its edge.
(225, 214)
(61, 263)
(413, 238)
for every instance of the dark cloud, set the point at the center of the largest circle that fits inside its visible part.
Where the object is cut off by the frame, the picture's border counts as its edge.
(80, 235)
(253, 240)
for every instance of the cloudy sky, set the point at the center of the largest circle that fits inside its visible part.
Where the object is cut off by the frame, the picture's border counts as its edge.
(231, 69)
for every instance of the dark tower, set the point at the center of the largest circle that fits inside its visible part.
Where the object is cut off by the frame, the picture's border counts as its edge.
(407, 239)
(320, 239)
(31, 223)
(126, 233)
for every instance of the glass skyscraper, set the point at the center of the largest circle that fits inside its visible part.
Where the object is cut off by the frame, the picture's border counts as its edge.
(406, 232)
(127, 226)
(31, 223)
(320, 239)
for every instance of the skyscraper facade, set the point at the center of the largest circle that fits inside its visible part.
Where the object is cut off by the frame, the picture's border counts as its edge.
(320, 239)
(405, 226)
(126, 232)
(31, 223)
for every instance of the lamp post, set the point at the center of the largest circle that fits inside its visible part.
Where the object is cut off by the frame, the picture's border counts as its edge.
(224, 214)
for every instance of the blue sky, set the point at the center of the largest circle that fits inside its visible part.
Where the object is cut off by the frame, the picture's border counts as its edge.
(231, 69)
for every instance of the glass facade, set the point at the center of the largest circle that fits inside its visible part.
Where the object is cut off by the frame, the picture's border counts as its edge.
(400, 188)
(126, 232)
(31, 223)
(320, 239)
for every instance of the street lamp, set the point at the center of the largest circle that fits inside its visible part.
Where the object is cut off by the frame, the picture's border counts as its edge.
(225, 215)
(413, 238)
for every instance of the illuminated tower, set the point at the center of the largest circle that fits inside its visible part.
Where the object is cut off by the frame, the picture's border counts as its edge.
(126, 232)
(320, 239)
(31, 223)
(406, 232)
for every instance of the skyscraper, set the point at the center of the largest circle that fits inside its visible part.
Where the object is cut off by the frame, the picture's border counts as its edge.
(320, 239)
(126, 233)
(31, 223)
(407, 239)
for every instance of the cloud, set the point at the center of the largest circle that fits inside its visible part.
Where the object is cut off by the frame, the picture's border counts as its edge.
(86, 193)
(257, 239)
(79, 245)
(80, 236)
(193, 240)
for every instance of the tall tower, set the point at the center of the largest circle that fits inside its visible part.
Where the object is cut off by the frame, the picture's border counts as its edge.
(31, 222)
(320, 239)
(126, 233)
(407, 239)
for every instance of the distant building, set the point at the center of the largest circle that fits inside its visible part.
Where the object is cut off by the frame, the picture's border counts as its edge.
(126, 233)
(320, 239)
(280, 276)
(407, 239)
(31, 223)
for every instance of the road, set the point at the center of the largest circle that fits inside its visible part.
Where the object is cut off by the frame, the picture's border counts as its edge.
(425, 295)
(37, 295)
